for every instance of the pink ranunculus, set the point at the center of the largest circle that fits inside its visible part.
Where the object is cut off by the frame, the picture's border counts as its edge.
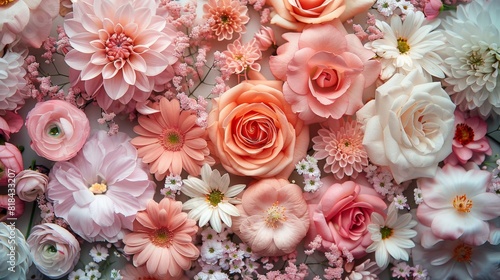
(30, 183)
(12, 206)
(432, 8)
(10, 122)
(11, 162)
(341, 214)
(325, 76)
(469, 140)
(296, 14)
(54, 249)
(58, 130)
(254, 131)
(273, 217)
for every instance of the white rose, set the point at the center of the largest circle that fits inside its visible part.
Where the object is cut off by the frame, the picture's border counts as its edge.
(409, 126)
(55, 250)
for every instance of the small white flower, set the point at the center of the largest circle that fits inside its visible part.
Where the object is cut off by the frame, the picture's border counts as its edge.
(386, 7)
(391, 236)
(115, 275)
(77, 275)
(212, 198)
(211, 251)
(99, 253)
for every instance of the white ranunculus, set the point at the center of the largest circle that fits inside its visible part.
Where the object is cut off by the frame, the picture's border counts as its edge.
(409, 126)
(15, 257)
(55, 250)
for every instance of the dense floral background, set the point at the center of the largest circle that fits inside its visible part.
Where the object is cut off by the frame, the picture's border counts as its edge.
(249, 139)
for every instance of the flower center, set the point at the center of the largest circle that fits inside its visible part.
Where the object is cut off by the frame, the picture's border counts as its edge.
(6, 2)
(162, 237)
(475, 60)
(403, 46)
(50, 249)
(225, 19)
(98, 188)
(462, 253)
(464, 134)
(118, 46)
(325, 77)
(54, 130)
(172, 140)
(275, 215)
(215, 197)
(462, 204)
(386, 232)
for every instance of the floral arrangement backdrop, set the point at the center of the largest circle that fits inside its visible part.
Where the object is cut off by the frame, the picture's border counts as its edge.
(249, 139)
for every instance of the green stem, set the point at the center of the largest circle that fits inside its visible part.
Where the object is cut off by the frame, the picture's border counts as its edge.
(31, 219)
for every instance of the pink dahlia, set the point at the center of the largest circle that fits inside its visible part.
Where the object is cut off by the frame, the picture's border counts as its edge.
(121, 48)
(170, 140)
(100, 190)
(341, 144)
(457, 204)
(227, 17)
(162, 239)
(242, 57)
(470, 142)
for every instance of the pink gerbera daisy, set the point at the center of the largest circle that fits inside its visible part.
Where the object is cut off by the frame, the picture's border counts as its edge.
(341, 143)
(228, 17)
(162, 239)
(170, 140)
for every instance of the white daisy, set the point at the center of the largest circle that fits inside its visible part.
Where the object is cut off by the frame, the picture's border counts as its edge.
(99, 253)
(391, 236)
(412, 44)
(472, 56)
(212, 199)
(386, 7)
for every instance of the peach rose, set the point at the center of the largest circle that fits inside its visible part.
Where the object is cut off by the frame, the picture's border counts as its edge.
(273, 217)
(57, 129)
(296, 14)
(254, 131)
(341, 215)
(325, 76)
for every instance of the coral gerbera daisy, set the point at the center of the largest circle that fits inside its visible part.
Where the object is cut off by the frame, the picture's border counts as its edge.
(228, 17)
(170, 140)
(162, 239)
(341, 143)
(212, 199)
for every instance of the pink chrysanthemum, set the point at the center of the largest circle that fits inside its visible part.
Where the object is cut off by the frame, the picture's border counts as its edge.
(469, 142)
(162, 239)
(170, 140)
(122, 49)
(228, 17)
(240, 57)
(341, 143)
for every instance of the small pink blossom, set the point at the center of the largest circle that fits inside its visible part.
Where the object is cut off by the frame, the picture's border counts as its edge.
(432, 8)
(265, 38)
(241, 57)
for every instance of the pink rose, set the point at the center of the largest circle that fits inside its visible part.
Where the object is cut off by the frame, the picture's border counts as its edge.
(296, 14)
(342, 213)
(273, 217)
(30, 183)
(57, 129)
(254, 131)
(325, 76)
(432, 8)
(7, 201)
(11, 162)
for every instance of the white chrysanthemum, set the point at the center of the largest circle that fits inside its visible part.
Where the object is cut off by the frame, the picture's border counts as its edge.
(212, 198)
(11, 80)
(472, 56)
(408, 45)
(391, 236)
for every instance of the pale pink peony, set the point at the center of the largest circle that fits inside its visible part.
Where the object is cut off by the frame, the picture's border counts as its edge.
(11, 78)
(457, 205)
(341, 212)
(170, 140)
(11, 163)
(27, 20)
(254, 131)
(6, 204)
(273, 217)
(10, 122)
(122, 49)
(58, 130)
(227, 17)
(30, 183)
(325, 76)
(162, 239)
(470, 142)
(54, 249)
(100, 190)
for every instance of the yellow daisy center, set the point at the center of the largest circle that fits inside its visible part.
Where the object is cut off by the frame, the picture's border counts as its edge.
(386, 232)
(98, 188)
(403, 46)
(162, 237)
(275, 215)
(215, 197)
(172, 140)
(462, 204)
